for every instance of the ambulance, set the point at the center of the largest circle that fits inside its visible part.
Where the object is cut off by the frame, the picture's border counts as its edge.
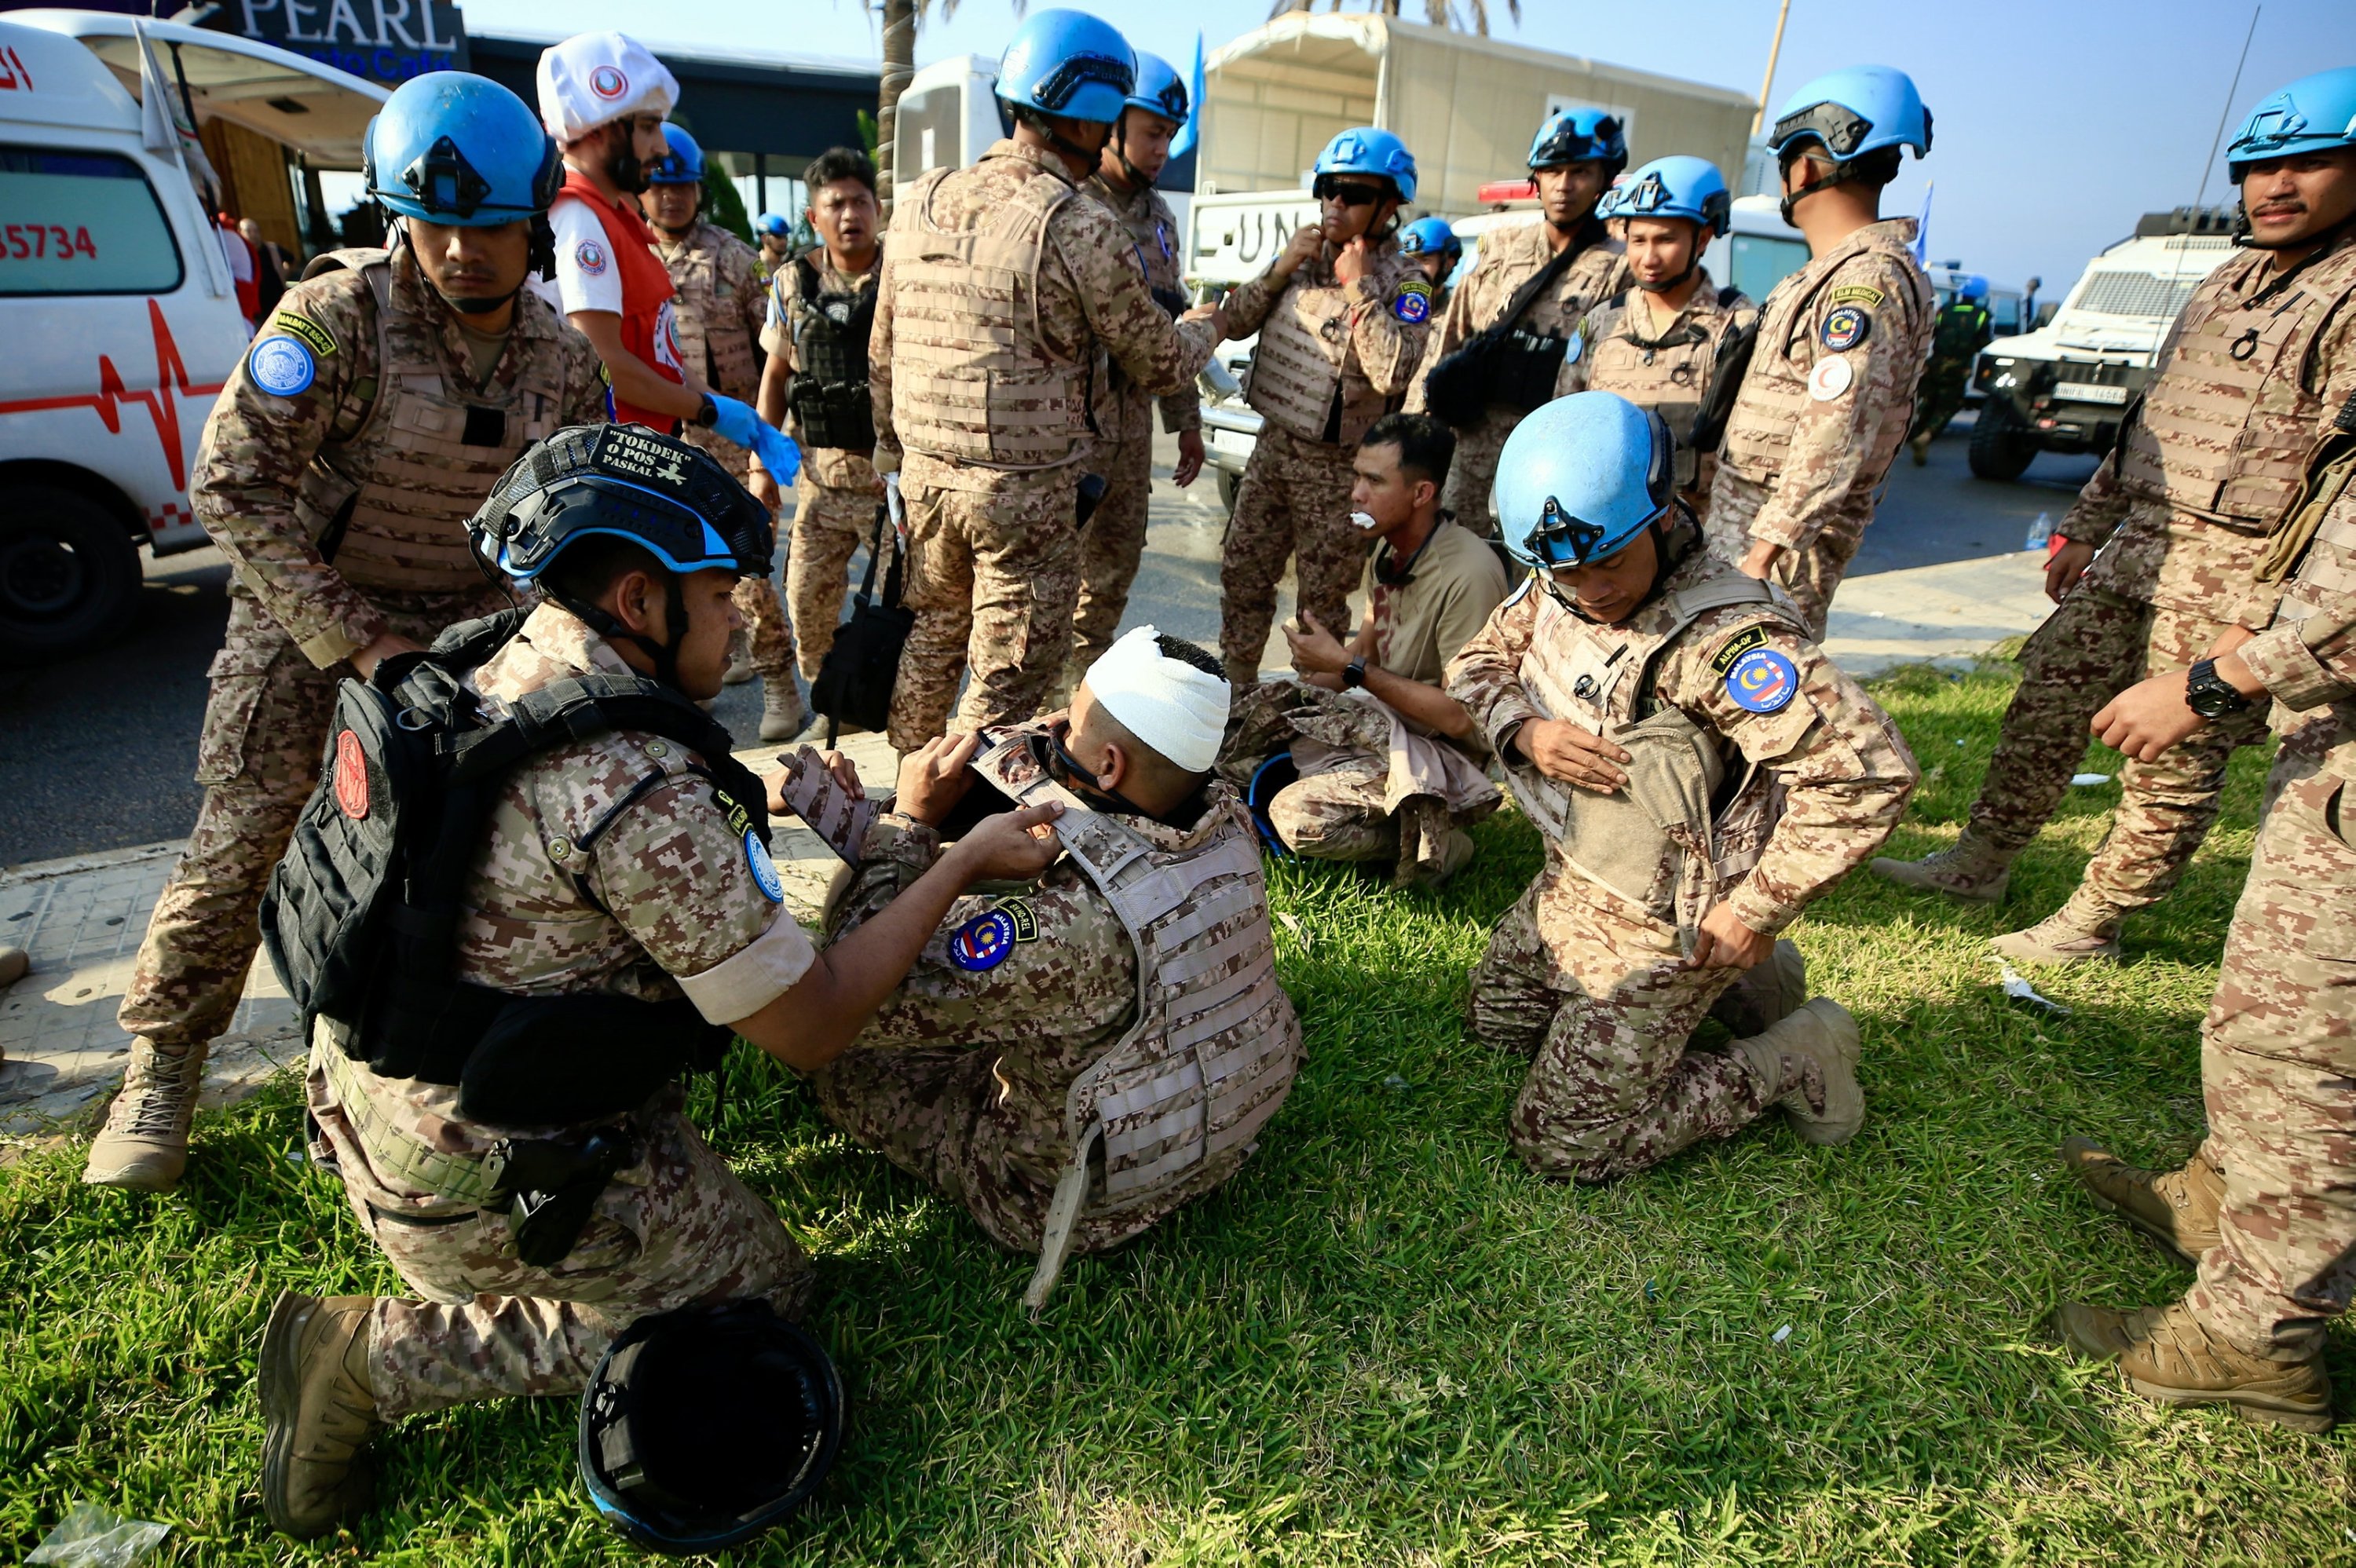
(116, 302)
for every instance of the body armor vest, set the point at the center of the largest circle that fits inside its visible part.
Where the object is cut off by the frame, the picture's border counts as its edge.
(828, 393)
(1305, 360)
(711, 337)
(388, 505)
(1684, 828)
(2225, 427)
(973, 380)
(1671, 376)
(1216, 1044)
(1775, 392)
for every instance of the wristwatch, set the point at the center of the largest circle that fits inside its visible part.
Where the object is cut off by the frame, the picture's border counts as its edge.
(707, 414)
(2208, 694)
(1354, 674)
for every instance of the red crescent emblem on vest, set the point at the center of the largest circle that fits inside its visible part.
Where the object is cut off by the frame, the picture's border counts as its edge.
(351, 776)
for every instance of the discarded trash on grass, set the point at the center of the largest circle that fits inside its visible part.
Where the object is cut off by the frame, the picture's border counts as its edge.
(1292, 922)
(1780, 1334)
(2021, 990)
(90, 1537)
(2088, 781)
(1395, 1082)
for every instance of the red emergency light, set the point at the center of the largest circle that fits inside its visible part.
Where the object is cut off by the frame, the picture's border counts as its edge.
(1496, 193)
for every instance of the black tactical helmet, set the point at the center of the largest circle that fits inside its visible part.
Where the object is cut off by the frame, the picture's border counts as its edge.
(705, 1426)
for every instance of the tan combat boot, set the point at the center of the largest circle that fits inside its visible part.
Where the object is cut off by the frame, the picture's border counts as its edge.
(782, 714)
(740, 659)
(1921, 445)
(318, 1411)
(1816, 1044)
(2177, 1208)
(2166, 1354)
(1975, 870)
(2057, 940)
(143, 1146)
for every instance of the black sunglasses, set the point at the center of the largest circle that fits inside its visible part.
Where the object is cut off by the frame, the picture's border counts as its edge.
(1349, 193)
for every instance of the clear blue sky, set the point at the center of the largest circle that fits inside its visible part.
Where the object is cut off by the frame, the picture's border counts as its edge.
(2056, 124)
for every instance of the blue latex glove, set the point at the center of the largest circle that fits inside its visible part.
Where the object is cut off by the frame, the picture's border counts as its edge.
(774, 450)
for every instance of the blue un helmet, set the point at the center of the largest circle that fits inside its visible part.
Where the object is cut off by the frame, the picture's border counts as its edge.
(1859, 109)
(1578, 136)
(772, 224)
(1974, 289)
(683, 165)
(1581, 478)
(1431, 237)
(1678, 187)
(1070, 64)
(2313, 114)
(1160, 90)
(453, 148)
(1367, 151)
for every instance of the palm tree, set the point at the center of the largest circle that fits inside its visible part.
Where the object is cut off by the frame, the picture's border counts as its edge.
(1464, 15)
(900, 19)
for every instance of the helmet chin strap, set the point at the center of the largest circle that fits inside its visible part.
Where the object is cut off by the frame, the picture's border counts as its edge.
(1840, 176)
(608, 626)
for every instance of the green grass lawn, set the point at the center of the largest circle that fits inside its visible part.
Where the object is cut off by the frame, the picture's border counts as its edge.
(1387, 1342)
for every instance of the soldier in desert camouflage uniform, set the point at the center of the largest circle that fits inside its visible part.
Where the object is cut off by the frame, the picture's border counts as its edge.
(718, 309)
(2167, 535)
(1129, 1000)
(2266, 1207)
(1114, 541)
(820, 307)
(1842, 343)
(372, 415)
(1342, 318)
(1700, 771)
(621, 868)
(1001, 286)
(1572, 161)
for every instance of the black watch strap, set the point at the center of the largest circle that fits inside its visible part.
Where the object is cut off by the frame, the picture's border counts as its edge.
(707, 414)
(2211, 695)
(1354, 674)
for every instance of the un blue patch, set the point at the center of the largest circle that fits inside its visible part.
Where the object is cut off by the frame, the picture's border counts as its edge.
(1574, 348)
(983, 942)
(282, 365)
(764, 870)
(1762, 681)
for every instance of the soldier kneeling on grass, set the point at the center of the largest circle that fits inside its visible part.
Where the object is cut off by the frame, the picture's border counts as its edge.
(1700, 770)
(1076, 1061)
(531, 890)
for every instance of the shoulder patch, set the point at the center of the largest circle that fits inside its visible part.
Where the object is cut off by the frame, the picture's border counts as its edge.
(1830, 379)
(1412, 303)
(590, 257)
(1575, 347)
(322, 342)
(282, 365)
(1856, 293)
(764, 870)
(1762, 681)
(1025, 918)
(987, 940)
(1735, 647)
(1845, 327)
(739, 821)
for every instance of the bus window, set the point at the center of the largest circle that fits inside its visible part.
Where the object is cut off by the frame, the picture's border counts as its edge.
(1761, 262)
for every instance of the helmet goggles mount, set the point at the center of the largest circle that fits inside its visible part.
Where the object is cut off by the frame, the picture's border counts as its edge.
(1052, 91)
(1170, 102)
(1564, 143)
(1841, 130)
(442, 180)
(1648, 195)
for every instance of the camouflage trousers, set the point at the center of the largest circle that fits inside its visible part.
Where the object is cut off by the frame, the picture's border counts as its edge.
(266, 730)
(2279, 1076)
(1601, 998)
(1472, 472)
(830, 522)
(992, 576)
(2093, 645)
(1113, 544)
(1294, 502)
(1338, 816)
(771, 634)
(1808, 576)
(674, 1230)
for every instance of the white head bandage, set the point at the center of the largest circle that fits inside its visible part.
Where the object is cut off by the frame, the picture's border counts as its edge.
(592, 79)
(1177, 709)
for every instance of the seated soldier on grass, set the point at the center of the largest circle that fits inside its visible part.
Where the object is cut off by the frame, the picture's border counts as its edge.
(1383, 764)
(1075, 1063)
(1699, 771)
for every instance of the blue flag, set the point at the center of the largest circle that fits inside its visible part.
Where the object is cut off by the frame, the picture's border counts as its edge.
(1184, 142)
(1923, 228)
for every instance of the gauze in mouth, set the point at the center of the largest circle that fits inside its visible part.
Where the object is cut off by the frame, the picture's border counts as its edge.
(1364, 522)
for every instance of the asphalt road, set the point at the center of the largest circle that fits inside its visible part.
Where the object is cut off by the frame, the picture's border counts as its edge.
(96, 752)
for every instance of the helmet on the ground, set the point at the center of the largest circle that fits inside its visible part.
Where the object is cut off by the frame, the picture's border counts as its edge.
(683, 165)
(1159, 89)
(455, 148)
(1676, 187)
(657, 491)
(1975, 288)
(1855, 111)
(2313, 114)
(704, 1426)
(1581, 478)
(773, 224)
(1070, 64)
(1580, 136)
(1365, 150)
(1431, 237)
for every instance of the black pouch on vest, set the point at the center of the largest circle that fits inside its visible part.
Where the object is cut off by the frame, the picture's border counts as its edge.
(553, 1184)
(556, 1061)
(1463, 385)
(854, 684)
(1092, 493)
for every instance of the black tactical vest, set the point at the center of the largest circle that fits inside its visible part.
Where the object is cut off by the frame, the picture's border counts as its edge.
(361, 916)
(828, 393)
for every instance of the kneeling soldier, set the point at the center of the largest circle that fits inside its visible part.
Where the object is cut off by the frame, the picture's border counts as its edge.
(1700, 770)
(1074, 1063)
(1386, 766)
(531, 888)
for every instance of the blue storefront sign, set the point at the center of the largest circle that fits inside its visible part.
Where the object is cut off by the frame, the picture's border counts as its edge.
(385, 41)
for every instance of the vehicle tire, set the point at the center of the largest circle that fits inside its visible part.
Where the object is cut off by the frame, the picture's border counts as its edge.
(2001, 449)
(1228, 484)
(69, 574)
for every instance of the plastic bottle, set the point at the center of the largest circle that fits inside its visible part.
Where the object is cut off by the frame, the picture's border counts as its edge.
(2039, 531)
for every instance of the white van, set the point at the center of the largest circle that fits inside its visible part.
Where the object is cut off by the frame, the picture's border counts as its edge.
(117, 306)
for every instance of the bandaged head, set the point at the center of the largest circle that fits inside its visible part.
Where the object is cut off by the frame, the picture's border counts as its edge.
(1177, 709)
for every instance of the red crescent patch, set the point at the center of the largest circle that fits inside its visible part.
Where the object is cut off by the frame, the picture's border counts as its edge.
(608, 81)
(351, 776)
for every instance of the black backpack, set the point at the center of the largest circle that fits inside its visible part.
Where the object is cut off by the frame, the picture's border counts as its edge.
(361, 916)
(855, 680)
